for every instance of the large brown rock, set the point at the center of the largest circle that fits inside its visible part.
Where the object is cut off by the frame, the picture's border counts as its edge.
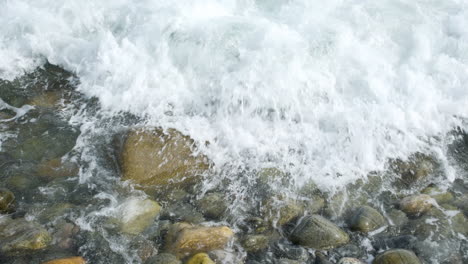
(71, 260)
(153, 157)
(184, 239)
(366, 219)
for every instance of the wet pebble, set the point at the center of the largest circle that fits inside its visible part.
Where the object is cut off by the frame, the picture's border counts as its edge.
(366, 219)
(397, 256)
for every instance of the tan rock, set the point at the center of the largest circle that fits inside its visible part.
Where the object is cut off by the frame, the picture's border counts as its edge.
(416, 204)
(184, 239)
(200, 258)
(72, 260)
(153, 158)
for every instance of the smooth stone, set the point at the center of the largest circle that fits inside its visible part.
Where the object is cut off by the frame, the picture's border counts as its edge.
(18, 236)
(71, 260)
(416, 205)
(153, 157)
(184, 239)
(135, 215)
(200, 258)
(317, 232)
(163, 258)
(7, 201)
(212, 205)
(397, 256)
(254, 243)
(366, 219)
(350, 261)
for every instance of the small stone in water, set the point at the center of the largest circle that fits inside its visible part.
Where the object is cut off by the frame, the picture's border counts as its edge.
(212, 205)
(163, 258)
(350, 261)
(253, 243)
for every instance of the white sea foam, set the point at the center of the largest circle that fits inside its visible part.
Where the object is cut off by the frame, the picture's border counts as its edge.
(319, 88)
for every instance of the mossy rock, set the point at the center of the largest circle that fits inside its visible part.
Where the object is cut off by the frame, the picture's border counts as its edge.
(19, 236)
(319, 233)
(200, 258)
(7, 201)
(281, 211)
(397, 256)
(153, 157)
(56, 168)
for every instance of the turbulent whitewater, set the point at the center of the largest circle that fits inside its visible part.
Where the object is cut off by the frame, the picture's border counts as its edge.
(317, 88)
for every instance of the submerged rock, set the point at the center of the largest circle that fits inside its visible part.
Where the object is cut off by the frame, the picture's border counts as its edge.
(200, 258)
(56, 168)
(18, 236)
(164, 258)
(280, 212)
(438, 195)
(417, 167)
(7, 201)
(212, 205)
(416, 204)
(184, 239)
(289, 251)
(366, 219)
(135, 215)
(397, 256)
(317, 232)
(350, 261)
(321, 259)
(71, 260)
(156, 158)
(253, 243)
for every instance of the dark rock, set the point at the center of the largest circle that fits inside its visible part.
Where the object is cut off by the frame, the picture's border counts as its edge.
(366, 219)
(182, 212)
(321, 259)
(404, 242)
(317, 232)
(349, 250)
(397, 217)
(397, 256)
(7, 201)
(417, 167)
